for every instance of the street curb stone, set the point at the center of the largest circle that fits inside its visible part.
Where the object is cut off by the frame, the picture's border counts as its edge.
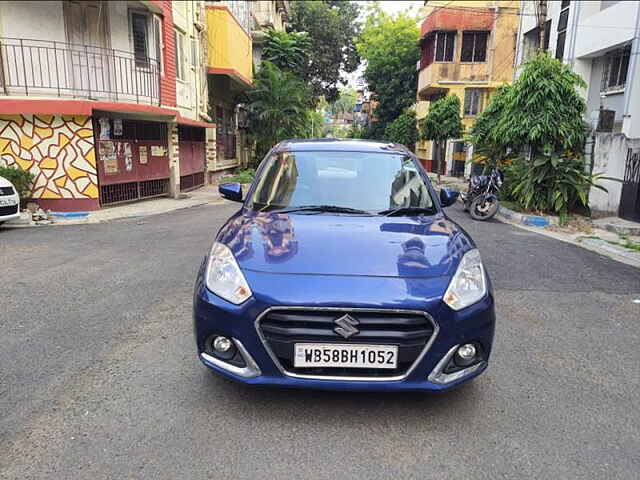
(528, 220)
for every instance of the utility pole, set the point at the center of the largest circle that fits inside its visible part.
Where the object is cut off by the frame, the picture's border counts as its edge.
(542, 18)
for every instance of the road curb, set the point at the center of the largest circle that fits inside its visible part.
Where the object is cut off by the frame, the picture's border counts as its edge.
(527, 220)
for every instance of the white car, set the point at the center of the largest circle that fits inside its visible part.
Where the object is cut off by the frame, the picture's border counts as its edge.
(9, 201)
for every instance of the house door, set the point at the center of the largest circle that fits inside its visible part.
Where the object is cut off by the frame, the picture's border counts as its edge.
(630, 196)
(88, 54)
(191, 148)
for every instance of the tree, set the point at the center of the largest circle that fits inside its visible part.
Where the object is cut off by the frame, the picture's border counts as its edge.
(403, 130)
(389, 44)
(543, 109)
(442, 123)
(332, 27)
(345, 102)
(278, 107)
(288, 51)
(492, 150)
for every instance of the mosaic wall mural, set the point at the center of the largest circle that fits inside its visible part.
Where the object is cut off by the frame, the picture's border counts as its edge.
(57, 149)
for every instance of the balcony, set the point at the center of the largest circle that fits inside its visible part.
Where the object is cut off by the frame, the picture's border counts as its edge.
(230, 47)
(55, 69)
(438, 77)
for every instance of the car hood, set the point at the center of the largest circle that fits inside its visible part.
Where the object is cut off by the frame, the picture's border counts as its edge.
(324, 244)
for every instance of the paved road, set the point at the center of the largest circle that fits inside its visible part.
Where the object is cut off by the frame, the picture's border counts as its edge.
(99, 378)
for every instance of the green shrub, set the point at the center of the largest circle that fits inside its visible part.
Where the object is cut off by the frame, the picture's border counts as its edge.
(403, 130)
(21, 179)
(555, 184)
(513, 173)
(241, 176)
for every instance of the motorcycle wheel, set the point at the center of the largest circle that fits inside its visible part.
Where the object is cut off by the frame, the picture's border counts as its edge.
(483, 209)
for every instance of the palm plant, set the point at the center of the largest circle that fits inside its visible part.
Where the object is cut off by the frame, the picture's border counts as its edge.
(277, 107)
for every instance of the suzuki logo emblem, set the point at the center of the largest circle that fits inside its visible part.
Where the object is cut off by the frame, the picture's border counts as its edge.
(346, 326)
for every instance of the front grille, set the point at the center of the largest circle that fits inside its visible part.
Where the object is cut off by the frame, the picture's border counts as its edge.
(8, 210)
(281, 329)
(6, 191)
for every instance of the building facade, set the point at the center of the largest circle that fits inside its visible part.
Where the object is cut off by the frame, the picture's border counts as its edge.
(229, 74)
(600, 41)
(90, 99)
(468, 50)
(266, 14)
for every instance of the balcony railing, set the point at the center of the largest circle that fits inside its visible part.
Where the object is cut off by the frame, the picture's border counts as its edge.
(46, 68)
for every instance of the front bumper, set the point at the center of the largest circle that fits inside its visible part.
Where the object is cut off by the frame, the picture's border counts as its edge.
(215, 316)
(10, 212)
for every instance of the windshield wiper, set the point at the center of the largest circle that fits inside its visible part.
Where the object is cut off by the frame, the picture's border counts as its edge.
(408, 211)
(323, 208)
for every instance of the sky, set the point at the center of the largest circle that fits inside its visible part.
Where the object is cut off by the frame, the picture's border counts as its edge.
(398, 5)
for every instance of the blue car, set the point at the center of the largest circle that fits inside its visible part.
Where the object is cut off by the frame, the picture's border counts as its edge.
(341, 271)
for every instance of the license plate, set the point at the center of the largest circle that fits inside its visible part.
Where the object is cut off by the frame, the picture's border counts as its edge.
(7, 202)
(345, 356)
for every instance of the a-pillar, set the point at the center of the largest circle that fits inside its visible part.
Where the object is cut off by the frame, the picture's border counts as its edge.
(174, 160)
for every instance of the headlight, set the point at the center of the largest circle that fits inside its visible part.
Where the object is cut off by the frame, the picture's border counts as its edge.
(469, 283)
(224, 277)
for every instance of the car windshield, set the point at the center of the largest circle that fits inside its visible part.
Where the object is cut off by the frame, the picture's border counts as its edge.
(368, 182)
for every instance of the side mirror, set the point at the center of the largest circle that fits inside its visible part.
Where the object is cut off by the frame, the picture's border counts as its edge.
(448, 196)
(231, 191)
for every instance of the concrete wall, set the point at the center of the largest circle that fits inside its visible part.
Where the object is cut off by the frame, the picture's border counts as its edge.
(614, 101)
(609, 158)
(191, 92)
(39, 20)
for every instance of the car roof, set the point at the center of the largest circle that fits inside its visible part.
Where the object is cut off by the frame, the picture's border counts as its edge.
(338, 144)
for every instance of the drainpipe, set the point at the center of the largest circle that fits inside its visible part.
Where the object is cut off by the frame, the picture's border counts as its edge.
(635, 51)
(576, 15)
(516, 59)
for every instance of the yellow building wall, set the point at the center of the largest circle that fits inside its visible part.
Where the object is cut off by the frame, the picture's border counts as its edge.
(230, 49)
(501, 57)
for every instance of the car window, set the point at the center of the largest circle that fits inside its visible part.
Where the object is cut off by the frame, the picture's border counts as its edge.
(359, 180)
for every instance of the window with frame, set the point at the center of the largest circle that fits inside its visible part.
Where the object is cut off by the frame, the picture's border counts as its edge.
(179, 42)
(444, 46)
(472, 101)
(615, 69)
(159, 41)
(139, 37)
(474, 46)
(563, 21)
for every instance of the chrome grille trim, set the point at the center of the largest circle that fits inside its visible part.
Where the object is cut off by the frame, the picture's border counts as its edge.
(436, 329)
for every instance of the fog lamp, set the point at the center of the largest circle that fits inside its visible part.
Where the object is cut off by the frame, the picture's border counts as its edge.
(465, 352)
(222, 344)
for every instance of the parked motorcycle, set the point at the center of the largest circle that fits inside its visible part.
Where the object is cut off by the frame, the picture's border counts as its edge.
(481, 199)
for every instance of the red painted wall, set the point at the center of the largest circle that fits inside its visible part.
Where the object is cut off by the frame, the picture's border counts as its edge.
(168, 80)
(457, 19)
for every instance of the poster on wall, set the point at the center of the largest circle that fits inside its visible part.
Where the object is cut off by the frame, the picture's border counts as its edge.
(142, 154)
(108, 157)
(128, 157)
(105, 128)
(157, 151)
(117, 127)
